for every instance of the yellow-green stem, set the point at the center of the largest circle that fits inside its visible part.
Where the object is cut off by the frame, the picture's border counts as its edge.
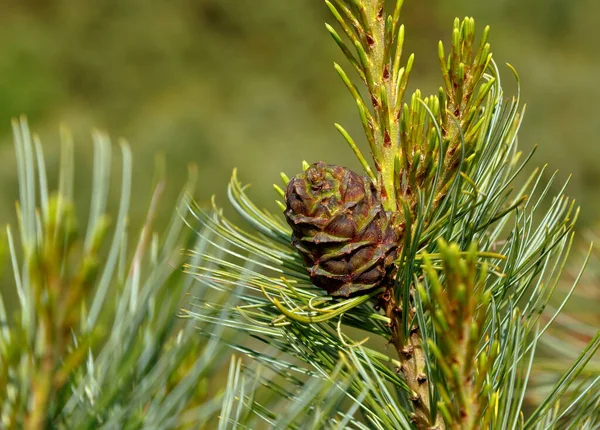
(383, 96)
(413, 367)
(43, 375)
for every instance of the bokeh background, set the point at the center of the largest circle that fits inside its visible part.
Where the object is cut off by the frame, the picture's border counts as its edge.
(250, 84)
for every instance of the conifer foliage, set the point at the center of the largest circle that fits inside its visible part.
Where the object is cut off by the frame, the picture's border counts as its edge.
(93, 340)
(475, 259)
(412, 295)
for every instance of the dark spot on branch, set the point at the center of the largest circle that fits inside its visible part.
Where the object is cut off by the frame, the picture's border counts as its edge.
(377, 165)
(375, 102)
(415, 398)
(384, 193)
(387, 140)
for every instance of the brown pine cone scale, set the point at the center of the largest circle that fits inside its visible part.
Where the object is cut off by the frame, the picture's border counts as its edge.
(340, 229)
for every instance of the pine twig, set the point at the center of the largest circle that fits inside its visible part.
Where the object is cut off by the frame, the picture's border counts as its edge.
(413, 367)
(459, 306)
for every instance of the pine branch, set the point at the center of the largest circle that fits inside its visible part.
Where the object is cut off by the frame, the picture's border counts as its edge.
(444, 168)
(458, 309)
(377, 40)
(413, 363)
(413, 155)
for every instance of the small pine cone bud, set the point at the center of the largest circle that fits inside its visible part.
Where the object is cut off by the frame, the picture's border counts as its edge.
(340, 229)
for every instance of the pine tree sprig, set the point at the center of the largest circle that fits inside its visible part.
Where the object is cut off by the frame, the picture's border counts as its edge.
(464, 324)
(413, 362)
(378, 41)
(457, 313)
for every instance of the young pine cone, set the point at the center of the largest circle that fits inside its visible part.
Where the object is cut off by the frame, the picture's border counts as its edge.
(340, 229)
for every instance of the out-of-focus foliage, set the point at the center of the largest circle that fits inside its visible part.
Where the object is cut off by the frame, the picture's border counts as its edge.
(232, 83)
(93, 340)
(573, 328)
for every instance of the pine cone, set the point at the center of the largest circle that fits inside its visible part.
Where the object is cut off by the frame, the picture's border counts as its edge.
(339, 227)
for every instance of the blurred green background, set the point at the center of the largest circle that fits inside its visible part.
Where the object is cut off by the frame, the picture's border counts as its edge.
(250, 84)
